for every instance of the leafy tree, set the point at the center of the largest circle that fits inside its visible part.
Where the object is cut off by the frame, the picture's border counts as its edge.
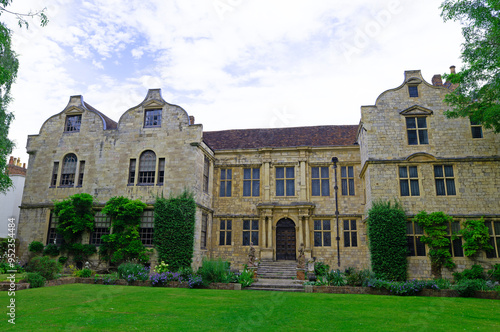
(478, 93)
(476, 238)
(387, 234)
(436, 237)
(9, 65)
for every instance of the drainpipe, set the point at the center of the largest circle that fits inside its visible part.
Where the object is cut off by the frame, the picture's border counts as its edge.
(336, 188)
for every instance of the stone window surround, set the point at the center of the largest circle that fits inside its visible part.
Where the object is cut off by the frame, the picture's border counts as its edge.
(408, 180)
(350, 232)
(57, 172)
(71, 126)
(136, 168)
(152, 118)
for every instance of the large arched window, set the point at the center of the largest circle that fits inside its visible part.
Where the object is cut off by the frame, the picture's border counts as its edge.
(147, 166)
(68, 170)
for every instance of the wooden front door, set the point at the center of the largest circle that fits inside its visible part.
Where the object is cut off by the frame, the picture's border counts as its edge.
(285, 240)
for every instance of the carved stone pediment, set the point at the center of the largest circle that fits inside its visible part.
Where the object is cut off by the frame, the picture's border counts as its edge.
(416, 110)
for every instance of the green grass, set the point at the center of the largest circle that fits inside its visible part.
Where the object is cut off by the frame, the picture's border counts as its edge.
(19, 276)
(80, 307)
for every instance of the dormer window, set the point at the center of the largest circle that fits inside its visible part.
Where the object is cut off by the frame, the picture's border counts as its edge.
(73, 123)
(152, 118)
(413, 91)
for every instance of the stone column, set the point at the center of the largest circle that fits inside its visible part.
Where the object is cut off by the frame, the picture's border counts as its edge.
(308, 234)
(266, 178)
(269, 233)
(262, 229)
(303, 184)
(300, 229)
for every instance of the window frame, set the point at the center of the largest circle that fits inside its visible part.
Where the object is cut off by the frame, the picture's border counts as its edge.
(322, 183)
(408, 180)
(203, 232)
(52, 236)
(251, 183)
(445, 180)
(226, 180)
(413, 91)
(152, 118)
(420, 133)
(55, 172)
(350, 233)
(102, 226)
(285, 182)
(68, 176)
(206, 174)
(347, 183)
(455, 246)
(414, 232)
(147, 169)
(494, 231)
(321, 234)
(71, 126)
(225, 232)
(476, 129)
(146, 234)
(251, 230)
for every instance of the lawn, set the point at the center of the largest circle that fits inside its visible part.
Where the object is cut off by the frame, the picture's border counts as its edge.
(123, 308)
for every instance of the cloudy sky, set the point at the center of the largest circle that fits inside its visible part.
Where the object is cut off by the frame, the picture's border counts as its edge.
(230, 63)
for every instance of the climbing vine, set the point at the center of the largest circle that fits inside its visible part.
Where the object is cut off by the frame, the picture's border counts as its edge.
(124, 243)
(174, 229)
(75, 217)
(436, 237)
(476, 238)
(387, 234)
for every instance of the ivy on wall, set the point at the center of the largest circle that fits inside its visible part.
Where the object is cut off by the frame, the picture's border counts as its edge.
(75, 217)
(476, 238)
(387, 235)
(435, 226)
(124, 243)
(174, 220)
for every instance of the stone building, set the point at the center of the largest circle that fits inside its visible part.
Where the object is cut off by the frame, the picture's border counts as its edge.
(274, 188)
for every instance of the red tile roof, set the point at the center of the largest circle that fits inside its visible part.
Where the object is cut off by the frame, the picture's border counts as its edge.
(281, 137)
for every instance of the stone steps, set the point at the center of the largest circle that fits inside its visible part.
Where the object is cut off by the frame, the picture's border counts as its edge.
(282, 285)
(277, 270)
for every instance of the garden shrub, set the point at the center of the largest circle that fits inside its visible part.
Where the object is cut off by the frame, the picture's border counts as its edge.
(335, 278)
(174, 229)
(133, 272)
(36, 247)
(475, 272)
(35, 279)
(124, 243)
(184, 272)
(214, 270)
(436, 237)
(494, 273)
(51, 250)
(355, 277)
(245, 278)
(62, 260)
(388, 246)
(108, 279)
(47, 267)
(163, 278)
(476, 238)
(162, 267)
(468, 287)
(84, 273)
(321, 269)
(443, 283)
(80, 252)
(195, 281)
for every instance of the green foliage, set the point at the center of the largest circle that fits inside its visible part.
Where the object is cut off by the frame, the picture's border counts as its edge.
(387, 234)
(475, 272)
(174, 229)
(494, 273)
(357, 278)
(321, 269)
(245, 278)
(468, 287)
(478, 93)
(162, 267)
(36, 247)
(62, 260)
(335, 278)
(48, 268)
(51, 250)
(214, 270)
(133, 272)
(76, 216)
(443, 283)
(124, 243)
(476, 237)
(435, 228)
(35, 279)
(84, 273)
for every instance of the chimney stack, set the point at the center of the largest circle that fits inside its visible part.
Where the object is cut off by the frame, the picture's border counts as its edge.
(437, 80)
(191, 120)
(11, 160)
(452, 70)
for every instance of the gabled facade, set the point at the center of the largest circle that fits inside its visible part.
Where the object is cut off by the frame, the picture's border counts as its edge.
(273, 188)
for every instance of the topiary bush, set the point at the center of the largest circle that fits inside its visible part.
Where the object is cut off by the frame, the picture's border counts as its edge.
(36, 247)
(35, 279)
(47, 267)
(388, 246)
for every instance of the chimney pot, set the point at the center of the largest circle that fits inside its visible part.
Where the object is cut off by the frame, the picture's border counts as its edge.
(11, 160)
(191, 120)
(452, 69)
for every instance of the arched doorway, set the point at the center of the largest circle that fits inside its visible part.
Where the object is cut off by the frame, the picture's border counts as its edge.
(285, 239)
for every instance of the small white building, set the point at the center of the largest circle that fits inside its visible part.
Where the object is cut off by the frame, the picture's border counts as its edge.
(11, 200)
